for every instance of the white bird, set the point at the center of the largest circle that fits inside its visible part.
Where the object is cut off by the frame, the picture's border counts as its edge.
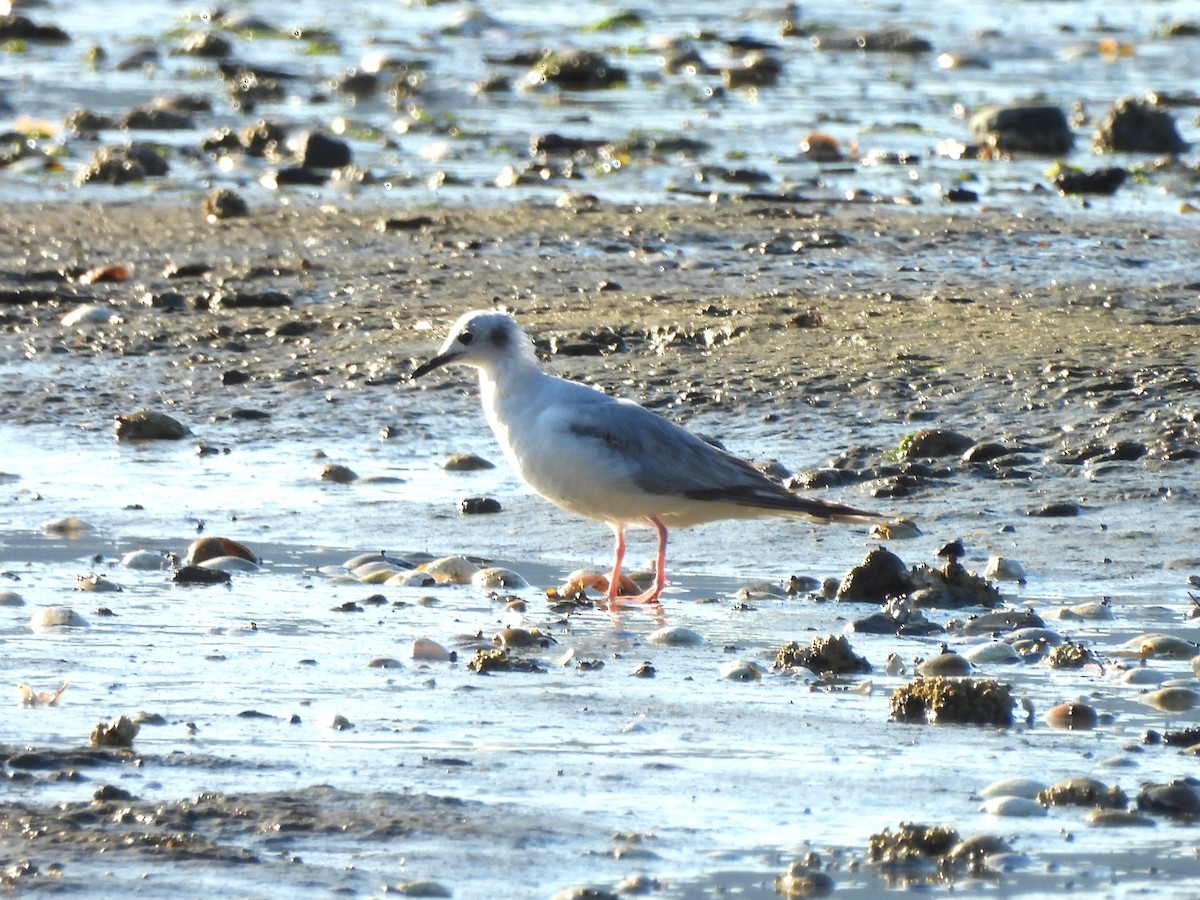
(609, 459)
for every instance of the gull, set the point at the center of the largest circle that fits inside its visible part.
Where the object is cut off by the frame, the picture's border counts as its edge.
(603, 458)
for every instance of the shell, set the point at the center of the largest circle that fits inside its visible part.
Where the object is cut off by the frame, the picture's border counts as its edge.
(1028, 788)
(999, 568)
(211, 547)
(450, 570)
(675, 636)
(741, 670)
(426, 650)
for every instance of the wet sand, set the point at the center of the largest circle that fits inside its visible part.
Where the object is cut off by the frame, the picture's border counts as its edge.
(832, 323)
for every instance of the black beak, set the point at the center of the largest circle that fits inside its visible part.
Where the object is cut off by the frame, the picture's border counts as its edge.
(436, 363)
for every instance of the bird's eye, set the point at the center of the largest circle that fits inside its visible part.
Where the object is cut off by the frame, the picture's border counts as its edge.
(466, 337)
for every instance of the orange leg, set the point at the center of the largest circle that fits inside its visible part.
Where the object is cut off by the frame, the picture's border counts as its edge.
(660, 568)
(614, 577)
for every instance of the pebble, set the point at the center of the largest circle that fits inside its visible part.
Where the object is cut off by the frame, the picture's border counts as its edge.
(426, 650)
(741, 670)
(675, 636)
(1171, 699)
(946, 664)
(479, 506)
(385, 662)
(1028, 788)
(1013, 806)
(97, 584)
(148, 425)
(466, 462)
(338, 474)
(497, 577)
(11, 598)
(51, 617)
(1000, 568)
(992, 652)
(1073, 716)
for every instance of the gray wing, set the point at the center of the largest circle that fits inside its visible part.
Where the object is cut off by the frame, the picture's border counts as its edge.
(663, 458)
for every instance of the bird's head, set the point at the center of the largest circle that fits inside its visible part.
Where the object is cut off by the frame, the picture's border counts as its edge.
(484, 340)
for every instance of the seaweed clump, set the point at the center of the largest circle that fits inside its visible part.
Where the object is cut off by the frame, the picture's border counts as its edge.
(963, 701)
(823, 655)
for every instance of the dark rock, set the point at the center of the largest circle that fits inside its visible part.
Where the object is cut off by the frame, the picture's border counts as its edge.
(1138, 125)
(1097, 181)
(22, 28)
(206, 44)
(934, 443)
(892, 39)
(484, 662)
(880, 575)
(1083, 791)
(1002, 621)
(234, 299)
(408, 223)
(1177, 799)
(475, 506)
(986, 451)
(107, 792)
(578, 70)
(222, 203)
(756, 70)
(953, 550)
(154, 118)
(261, 137)
(200, 575)
(147, 425)
(960, 195)
(318, 151)
(1023, 129)
(85, 123)
(295, 175)
(1059, 510)
(122, 165)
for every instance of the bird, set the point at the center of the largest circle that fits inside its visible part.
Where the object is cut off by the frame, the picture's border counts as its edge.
(610, 459)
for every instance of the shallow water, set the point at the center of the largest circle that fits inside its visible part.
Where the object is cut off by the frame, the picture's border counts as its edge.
(450, 143)
(727, 781)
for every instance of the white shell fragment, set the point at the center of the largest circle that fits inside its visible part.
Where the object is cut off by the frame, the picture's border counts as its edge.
(1000, 568)
(88, 314)
(145, 560)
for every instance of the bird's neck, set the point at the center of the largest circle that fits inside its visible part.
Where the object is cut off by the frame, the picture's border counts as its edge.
(500, 385)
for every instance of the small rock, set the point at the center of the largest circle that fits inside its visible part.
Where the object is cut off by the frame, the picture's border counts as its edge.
(1138, 125)
(385, 662)
(318, 151)
(49, 617)
(675, 636)
(1012, 806)
(122, 165)
(934, 443)
(426, 650)
(1000, 568)
(338, 474)
(466, 462)
(740, 670)
(1023, 129)
(222, 203)
(147, 425)
(947, 664)
(1073, 716)
(1102, 182)
(200, 575)
(11, 598)
(117, 734)
(880, 575)
(1029, 788)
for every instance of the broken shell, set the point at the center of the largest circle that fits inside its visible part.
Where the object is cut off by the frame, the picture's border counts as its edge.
(1013, 806)
(675, 636)
(740, 670)
(426, 650)
(497, 577)
(450, 570)
(50, 617)
(581, 580)
(1001, 569)
(211, 547)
